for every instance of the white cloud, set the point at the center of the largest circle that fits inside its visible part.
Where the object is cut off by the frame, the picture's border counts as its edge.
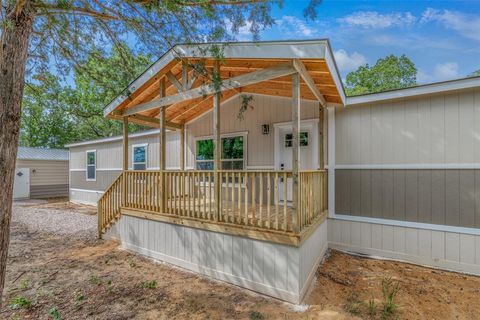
(244, 33)
(373, 19)
(445, 71)
(348, 62)
(293, 26)
(441, 72)
(467, 25)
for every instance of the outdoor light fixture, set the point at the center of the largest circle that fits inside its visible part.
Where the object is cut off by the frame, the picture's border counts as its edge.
(265, 129)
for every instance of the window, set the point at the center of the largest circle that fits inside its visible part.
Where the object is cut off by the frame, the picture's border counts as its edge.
(91, 165)
(139, 160)
(303, 139)
(232, 153)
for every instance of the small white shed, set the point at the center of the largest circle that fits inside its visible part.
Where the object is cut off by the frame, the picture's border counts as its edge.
(41, 173)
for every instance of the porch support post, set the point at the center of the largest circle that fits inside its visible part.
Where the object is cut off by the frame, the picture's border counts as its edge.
(295, 148)
(162, 148)
(217, 144)
(125, 144)
(125, 161)
(321, 133)
(182, 148)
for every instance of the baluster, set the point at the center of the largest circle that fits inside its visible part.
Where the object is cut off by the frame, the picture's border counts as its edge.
(285, 197)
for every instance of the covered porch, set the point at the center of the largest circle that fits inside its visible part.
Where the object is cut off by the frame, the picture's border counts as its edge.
(282, 204)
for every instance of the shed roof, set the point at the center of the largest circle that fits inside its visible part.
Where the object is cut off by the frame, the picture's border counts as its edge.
(30, 153)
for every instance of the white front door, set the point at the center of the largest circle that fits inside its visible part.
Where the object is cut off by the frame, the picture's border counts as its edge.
(21, 184)
(308, 160)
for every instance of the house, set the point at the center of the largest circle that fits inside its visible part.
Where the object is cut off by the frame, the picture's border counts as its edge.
(41, 173)
(301, 168)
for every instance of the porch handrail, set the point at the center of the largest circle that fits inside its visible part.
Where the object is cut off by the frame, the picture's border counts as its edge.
(249, 198)
(109, 205)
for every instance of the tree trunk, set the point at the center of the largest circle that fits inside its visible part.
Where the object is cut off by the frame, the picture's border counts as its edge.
(13, 58)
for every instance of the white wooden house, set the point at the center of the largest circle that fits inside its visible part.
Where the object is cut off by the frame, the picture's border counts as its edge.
(393, 174)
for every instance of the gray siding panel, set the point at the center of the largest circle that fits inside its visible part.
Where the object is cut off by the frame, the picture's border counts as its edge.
(49, 191)
(424, 196)
(104, 179)
(411, 195)
(440, 196)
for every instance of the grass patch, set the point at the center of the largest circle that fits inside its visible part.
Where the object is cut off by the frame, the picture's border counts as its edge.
(390, 290)
(24, 284)
(255, 315)
(131, 262)
(94, 279)
(353, 304)
(20, 302)
(148, 284)
(54, 313)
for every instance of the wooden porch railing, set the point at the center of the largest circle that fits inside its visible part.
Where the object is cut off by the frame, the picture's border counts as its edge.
(109, 205)
(251, 199)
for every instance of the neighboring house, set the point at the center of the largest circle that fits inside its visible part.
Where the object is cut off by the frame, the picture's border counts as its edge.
(393, 174)
(41, 173)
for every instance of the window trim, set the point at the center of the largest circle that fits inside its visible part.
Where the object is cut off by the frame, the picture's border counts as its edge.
(87, 165)
(139, 145)
(243, 134)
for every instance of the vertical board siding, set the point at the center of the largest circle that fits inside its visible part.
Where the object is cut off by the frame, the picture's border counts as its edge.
(443, 249)
(274, 269)
(85, 197)
(110, 154)
(440, 128)
(265, 110)
(436, 196)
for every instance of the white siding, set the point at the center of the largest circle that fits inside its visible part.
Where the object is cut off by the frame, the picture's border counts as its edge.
(266, 110)
(278, 270)
(442, 249)
(435, 129)
(110, 154)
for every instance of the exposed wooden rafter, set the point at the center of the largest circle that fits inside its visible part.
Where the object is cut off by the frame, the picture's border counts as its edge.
(205, 90)
(300, 67)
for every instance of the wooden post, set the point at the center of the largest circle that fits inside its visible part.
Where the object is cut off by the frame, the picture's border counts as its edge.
(182, 148)
(321, 130)
(184, 76)
(295, 147)
(125, 160)
(162, 143)
(125, 143)
(217, 146)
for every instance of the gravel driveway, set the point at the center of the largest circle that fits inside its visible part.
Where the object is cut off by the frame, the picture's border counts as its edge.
(59, 218)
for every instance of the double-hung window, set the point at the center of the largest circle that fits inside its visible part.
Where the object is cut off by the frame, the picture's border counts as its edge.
(139, 157)
(233, 151)
(91, 165)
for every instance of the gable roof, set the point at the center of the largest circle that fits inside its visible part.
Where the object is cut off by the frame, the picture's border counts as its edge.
(240, 58)
(30, 153)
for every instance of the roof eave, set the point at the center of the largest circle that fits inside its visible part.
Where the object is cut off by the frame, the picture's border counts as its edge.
(293, 49)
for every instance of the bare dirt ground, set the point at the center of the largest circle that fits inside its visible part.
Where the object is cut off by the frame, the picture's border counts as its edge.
(55, 275)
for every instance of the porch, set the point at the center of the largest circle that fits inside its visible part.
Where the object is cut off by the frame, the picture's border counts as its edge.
(283, 204)
(254, 204)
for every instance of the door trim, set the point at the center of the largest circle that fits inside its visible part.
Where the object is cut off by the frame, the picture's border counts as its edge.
(311, 124)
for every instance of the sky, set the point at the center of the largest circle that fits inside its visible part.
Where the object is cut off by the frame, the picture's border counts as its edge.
(441, 38)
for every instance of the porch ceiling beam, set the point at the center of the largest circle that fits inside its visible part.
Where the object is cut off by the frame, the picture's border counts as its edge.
(153, 121)
(205, 90)
(300, 67)
(174, 81)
